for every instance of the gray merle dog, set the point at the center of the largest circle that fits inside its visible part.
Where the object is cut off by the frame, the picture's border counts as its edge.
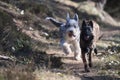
(69, 35)
(90, 34)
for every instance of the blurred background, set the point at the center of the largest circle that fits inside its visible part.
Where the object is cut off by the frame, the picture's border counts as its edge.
(29, 44)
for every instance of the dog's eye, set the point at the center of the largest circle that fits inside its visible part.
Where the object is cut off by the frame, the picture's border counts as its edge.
(67, 25)
(74, 26)
(83, 29)
(90, 29)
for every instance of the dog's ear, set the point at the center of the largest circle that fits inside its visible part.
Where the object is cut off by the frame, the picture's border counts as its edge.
(91, 23)
(76, 17)
(68, 17)
(84, 23)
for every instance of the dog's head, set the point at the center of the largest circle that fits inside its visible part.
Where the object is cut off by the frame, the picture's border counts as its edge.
(87, 30)
(72, 27)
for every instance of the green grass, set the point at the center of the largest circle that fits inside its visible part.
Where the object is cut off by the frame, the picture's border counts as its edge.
(2, 77)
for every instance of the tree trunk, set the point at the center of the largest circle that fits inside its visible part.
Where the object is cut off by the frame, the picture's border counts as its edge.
(100, 4)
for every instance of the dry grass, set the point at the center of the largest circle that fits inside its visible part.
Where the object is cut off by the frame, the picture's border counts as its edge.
(48, 75)
(15, 74)
(38, 74)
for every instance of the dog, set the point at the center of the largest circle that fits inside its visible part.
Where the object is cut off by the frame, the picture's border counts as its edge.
(90, 34)
(69, 35)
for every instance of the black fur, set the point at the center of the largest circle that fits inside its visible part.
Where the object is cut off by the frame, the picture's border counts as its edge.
(86, 36)
(86, 43)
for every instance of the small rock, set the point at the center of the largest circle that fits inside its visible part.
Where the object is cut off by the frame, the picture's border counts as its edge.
(22, 12)
(99, 54)
(13, 48)
(115, 64)
(30, 28)
(118, 62)
(102, 58)
(45, 34)
(110, 64)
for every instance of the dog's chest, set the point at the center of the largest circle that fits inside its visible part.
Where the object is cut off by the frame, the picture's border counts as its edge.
(86, 44)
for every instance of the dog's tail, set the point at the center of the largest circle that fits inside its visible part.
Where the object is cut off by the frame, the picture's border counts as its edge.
(54, 21)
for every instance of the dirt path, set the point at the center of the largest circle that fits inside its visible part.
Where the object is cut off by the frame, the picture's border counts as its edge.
(75, 67)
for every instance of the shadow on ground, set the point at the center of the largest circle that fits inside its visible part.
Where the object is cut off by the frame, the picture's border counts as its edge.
(99, 78)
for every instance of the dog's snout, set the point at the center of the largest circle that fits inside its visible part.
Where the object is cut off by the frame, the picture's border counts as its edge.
(71, 31)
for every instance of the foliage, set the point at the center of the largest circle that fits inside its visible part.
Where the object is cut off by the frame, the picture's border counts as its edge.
(110, 61)
(10, 38)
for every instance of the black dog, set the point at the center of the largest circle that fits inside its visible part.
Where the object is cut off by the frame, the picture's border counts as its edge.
(89, 35)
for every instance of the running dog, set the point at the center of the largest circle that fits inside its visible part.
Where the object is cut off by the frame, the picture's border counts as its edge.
(69, 35)
(90, 34)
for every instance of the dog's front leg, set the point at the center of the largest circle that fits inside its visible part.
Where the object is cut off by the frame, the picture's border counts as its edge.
(85, 62)
(77, 50)
(90, 58)
(66, 47)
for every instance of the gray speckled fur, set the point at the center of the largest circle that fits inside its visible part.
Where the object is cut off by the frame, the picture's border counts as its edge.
(65, 40)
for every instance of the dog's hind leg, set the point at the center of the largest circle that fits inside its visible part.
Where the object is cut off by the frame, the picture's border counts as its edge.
(95, 50)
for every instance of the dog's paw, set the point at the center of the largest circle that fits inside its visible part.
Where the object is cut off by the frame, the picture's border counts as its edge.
(90, 65)
(87, 70)
(65, 54)
(77, 58)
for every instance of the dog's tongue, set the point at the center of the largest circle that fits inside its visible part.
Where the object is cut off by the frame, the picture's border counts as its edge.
(70, 34)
